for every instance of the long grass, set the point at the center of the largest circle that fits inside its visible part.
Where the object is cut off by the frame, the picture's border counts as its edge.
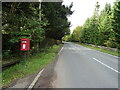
(35, 63)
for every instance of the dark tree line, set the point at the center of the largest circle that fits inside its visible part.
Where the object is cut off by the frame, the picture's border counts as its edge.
(22, 20)
(57, 19)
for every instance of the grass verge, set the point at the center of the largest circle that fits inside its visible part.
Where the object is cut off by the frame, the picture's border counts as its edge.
(35, 63)
(115, 53)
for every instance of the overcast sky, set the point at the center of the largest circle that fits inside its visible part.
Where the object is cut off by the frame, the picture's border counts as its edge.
(83, 10)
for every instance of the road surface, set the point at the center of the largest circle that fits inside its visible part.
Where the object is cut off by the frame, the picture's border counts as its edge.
(81, 67)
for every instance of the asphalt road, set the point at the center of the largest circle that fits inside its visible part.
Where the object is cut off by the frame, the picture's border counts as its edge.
(81, 67)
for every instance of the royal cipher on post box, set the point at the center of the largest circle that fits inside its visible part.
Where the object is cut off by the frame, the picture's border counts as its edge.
(25, 44)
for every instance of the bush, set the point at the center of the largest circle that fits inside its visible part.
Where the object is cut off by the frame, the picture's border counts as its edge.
(6, 53)
(110, 44)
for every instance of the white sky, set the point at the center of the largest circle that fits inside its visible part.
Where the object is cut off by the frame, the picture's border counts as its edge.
(83, 10)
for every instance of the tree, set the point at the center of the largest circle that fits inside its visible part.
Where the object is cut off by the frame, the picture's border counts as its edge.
(66, 38)
(21, 20)
(76, 34)
(116, 23)
(105, 25)
(103, 29)
(56, 14)
(96, 11)
(90, 28)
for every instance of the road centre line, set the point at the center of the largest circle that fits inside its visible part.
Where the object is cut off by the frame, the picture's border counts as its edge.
(106, 65)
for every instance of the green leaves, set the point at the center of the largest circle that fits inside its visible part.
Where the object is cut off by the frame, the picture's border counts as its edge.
(77, 33)
(21, 19)
(103, 29)
(116, 22)
(105, 25)
(56, 14)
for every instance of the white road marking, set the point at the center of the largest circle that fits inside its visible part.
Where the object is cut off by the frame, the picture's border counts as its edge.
(60, 50)
(35, 80)
(106, 65)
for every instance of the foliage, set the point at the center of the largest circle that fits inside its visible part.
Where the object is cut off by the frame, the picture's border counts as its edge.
(90, 28)
(104, 25)
(76, 34)
(116, 23)
(21, 19)
(56, 14)
(26, 20)
(103, 29)
(66, 38)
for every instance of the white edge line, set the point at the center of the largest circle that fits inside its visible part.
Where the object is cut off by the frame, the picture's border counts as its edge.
(35, 80)
(106, 65)
(60, 51)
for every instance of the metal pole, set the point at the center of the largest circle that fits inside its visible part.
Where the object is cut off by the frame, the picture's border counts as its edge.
(25, 57)
(40, 10)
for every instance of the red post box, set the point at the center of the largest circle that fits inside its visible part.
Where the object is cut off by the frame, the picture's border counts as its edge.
(25, 44)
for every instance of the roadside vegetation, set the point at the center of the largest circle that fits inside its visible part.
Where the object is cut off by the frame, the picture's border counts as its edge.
(44, 27)
(32, 65)
(101, 29)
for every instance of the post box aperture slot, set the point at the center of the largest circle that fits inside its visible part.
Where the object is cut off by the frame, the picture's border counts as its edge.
(24, 42)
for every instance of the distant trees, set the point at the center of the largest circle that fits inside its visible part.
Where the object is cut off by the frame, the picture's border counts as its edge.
(90, 28)
(76, 34)
(103, 29)
(67, 38)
